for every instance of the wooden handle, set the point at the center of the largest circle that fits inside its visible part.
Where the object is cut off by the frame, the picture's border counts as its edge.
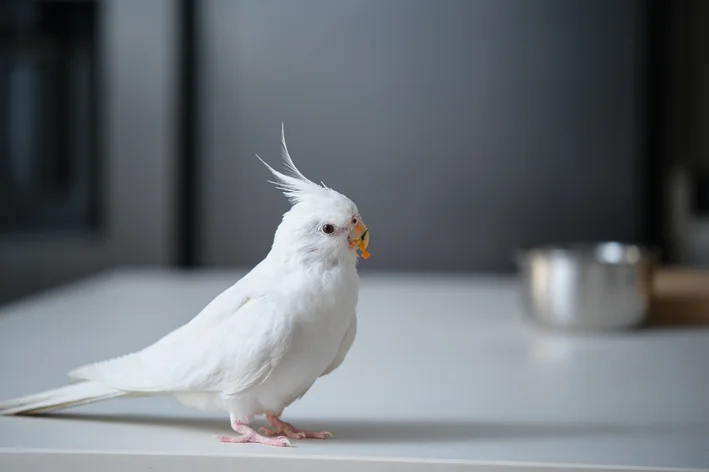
(680, 297)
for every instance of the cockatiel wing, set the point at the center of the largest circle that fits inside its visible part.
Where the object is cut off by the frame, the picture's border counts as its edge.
(345, 346)
(205, 355)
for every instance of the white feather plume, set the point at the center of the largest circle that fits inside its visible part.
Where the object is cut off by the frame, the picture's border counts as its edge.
(294, 185)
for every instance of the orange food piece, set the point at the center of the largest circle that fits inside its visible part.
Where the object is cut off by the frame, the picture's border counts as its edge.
(361, 243)
(362, 248)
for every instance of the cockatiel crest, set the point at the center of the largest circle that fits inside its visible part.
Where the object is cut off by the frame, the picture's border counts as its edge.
(294, 185)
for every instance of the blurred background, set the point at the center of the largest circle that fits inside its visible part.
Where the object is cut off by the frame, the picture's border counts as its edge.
(463, 129)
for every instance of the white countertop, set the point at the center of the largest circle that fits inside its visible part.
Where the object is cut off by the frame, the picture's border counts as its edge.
(444, 374)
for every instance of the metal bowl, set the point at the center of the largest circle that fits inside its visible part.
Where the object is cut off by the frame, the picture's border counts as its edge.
(598, 286)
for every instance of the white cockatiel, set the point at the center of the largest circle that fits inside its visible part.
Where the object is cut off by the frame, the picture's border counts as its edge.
(262, 343)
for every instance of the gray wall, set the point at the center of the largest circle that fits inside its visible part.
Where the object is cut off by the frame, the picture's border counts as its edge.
(461, 128)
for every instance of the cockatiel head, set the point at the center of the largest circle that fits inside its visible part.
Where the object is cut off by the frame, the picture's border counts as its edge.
(322, 222)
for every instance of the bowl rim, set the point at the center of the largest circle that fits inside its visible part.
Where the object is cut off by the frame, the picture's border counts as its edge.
(588, 251)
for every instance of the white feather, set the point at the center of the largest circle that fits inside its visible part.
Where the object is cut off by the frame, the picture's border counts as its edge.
(294, 185)
(63, 397)
(286, 156)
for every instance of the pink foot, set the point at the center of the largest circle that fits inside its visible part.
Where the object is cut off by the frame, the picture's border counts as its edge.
(248, 435)
(290, 431)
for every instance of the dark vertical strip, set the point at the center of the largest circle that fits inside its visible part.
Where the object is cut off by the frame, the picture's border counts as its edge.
(97, 135)
(187, 133)
(655, 125)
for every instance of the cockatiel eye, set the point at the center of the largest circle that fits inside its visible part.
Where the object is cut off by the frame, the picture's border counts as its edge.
(328, 229)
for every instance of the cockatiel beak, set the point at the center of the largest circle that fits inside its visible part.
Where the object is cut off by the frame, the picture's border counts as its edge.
(358, 238)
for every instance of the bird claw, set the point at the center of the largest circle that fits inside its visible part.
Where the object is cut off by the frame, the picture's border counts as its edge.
(280, 441)
(297, 434)
(290, 431)
(248, 435)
